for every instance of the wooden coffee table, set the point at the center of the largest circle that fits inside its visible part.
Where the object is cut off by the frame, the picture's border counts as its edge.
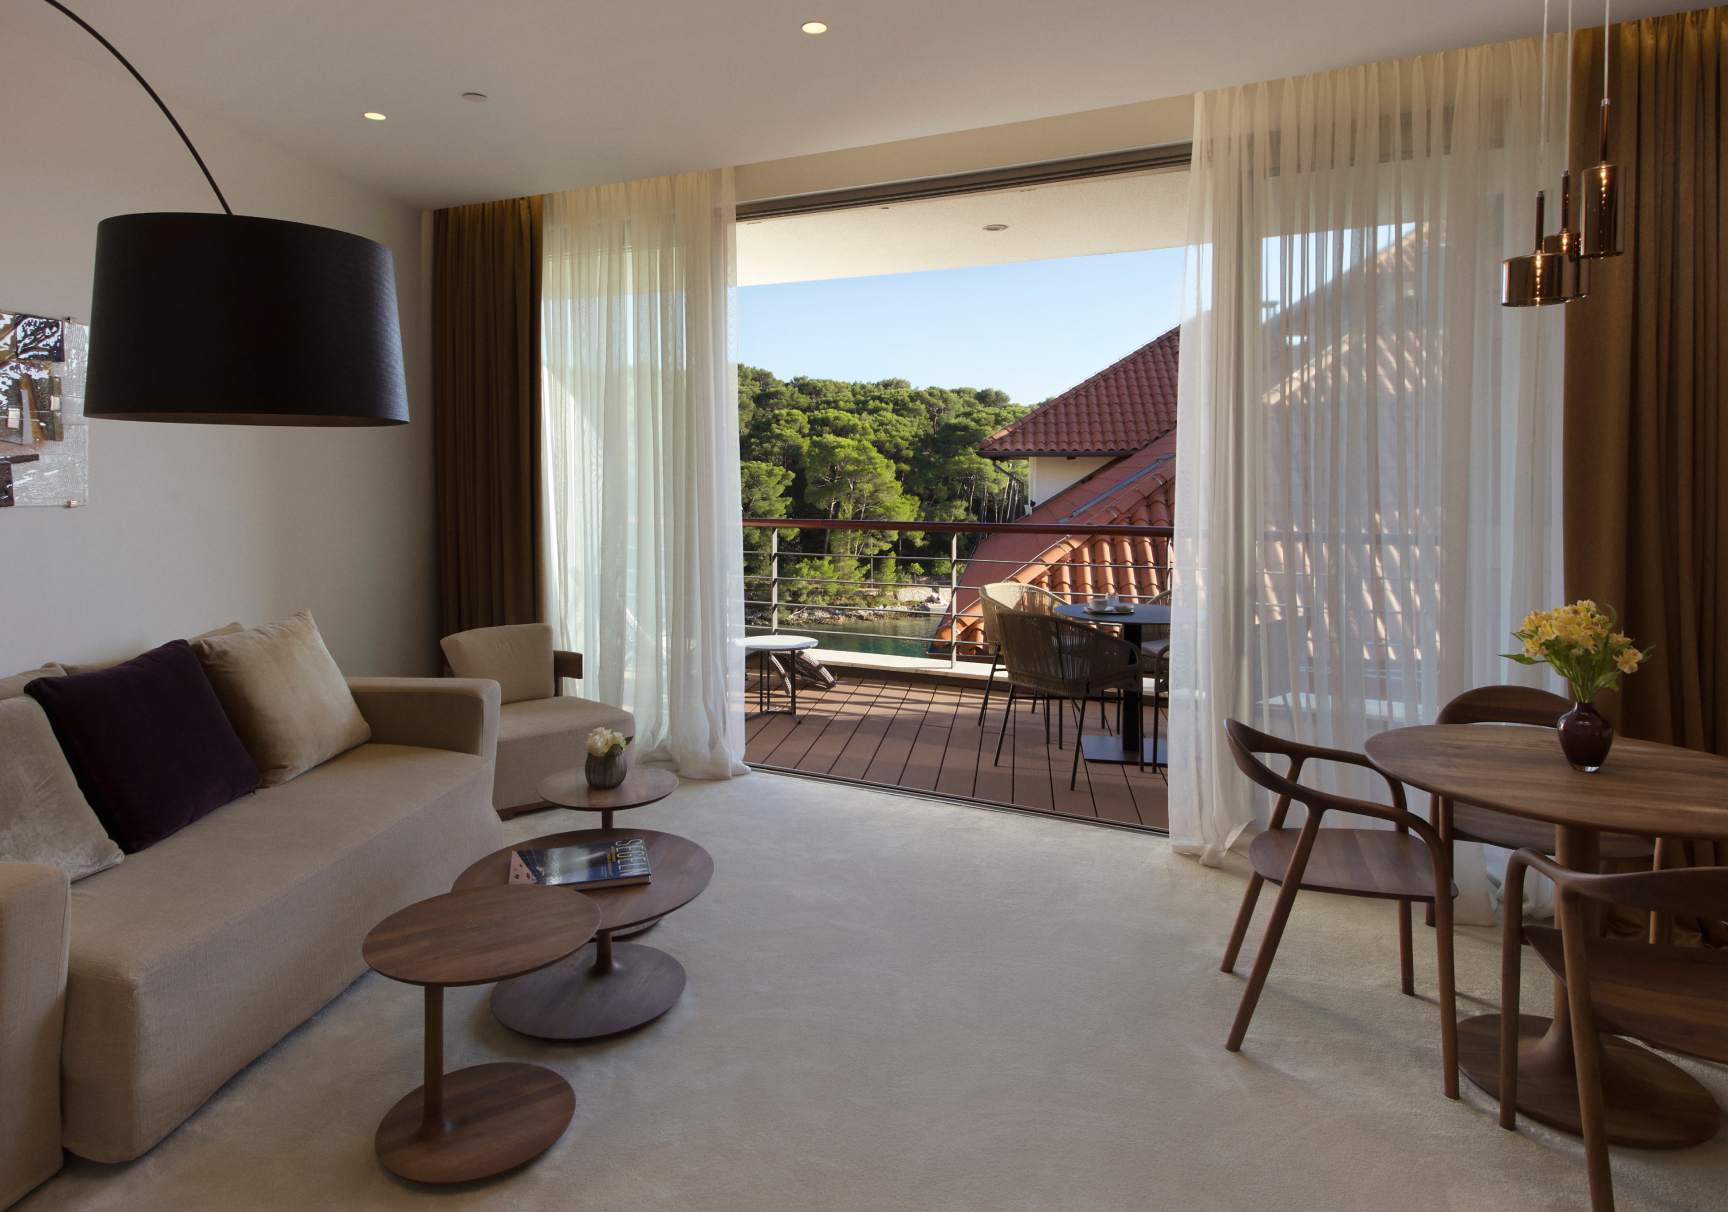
(486, 1119)
(614, 986)
(643, 785)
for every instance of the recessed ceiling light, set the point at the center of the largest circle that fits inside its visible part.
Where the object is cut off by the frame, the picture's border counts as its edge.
(475, 97)
(995, 227)
(374, 115)
(814, 27)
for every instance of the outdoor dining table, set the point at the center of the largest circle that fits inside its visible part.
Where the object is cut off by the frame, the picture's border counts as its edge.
(1645, 788)
(1131, 747)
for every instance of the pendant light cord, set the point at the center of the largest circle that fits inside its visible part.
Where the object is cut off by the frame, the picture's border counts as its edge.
(145, 85)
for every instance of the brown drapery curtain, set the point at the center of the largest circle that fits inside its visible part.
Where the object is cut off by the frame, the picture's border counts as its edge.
(1646, 510)
(486, 268)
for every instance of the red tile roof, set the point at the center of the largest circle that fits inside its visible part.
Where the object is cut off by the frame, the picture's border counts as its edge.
(1116, 412)
(1139, 490)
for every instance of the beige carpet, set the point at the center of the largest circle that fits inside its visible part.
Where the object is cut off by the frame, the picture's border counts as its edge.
(898, 1004)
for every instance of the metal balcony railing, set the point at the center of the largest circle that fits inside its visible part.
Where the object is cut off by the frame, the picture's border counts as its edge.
(1134, 565)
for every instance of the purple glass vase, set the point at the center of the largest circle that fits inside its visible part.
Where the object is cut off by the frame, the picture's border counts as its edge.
(1585, 737)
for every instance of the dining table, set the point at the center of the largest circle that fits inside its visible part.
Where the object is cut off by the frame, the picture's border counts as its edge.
(1646, 789)
(1131, 747)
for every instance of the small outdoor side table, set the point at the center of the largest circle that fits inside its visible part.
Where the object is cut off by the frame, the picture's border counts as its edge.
(768, 646)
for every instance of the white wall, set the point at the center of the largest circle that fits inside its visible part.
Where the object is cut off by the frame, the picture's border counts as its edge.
(1050, 476)
(190, 526)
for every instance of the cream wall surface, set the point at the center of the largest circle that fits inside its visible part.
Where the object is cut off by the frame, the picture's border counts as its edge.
(191, 526)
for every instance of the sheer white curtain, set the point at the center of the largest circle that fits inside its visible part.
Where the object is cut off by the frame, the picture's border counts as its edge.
(1369, 446)
(644, 558)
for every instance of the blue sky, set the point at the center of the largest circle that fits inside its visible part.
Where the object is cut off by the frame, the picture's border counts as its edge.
(1033, 329)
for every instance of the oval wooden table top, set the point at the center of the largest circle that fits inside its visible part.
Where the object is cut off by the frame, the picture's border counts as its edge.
(642, 785)
(476, 937)
(1643, 788)
(680, 871)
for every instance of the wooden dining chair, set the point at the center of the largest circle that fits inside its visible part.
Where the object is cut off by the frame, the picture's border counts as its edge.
(1467, 823)
(1065, 660)
(1385, 864)
(1671, 996)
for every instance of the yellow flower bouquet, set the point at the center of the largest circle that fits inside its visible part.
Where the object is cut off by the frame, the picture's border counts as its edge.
(1583, 644)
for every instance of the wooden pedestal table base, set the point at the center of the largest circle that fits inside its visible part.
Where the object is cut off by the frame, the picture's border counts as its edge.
(486, 1119)
(643, 785)
(600, 991)
(612, 986)
(1647, 789)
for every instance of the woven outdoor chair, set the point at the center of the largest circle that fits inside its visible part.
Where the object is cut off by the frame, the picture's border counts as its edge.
(1008, 595)
(1062, 659)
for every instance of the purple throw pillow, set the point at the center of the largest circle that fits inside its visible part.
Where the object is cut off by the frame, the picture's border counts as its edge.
(149, 743)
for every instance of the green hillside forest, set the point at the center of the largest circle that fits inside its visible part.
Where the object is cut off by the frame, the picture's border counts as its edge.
(820, 448)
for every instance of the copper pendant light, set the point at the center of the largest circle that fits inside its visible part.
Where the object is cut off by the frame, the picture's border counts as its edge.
(1599, 201)
(1537, 278)
(1574, 271)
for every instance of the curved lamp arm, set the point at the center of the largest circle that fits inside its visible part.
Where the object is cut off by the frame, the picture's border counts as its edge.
(145, 84)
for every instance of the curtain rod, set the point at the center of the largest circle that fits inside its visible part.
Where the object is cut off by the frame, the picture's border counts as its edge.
(1139, 159)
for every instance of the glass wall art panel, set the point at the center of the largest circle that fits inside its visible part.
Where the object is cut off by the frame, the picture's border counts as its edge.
(44, 442)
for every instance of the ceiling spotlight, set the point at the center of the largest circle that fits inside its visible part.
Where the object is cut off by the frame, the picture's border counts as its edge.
(475, 97)
(814, 27)
(995, 227)
(374, 115)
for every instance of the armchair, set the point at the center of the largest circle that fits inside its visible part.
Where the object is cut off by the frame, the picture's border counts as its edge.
(540, 729)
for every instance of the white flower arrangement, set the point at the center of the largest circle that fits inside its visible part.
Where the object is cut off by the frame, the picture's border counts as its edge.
(603, 742)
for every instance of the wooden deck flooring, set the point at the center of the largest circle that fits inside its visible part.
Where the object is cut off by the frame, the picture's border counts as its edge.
(924, 735)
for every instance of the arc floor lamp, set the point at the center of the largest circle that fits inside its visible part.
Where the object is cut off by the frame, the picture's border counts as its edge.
(297, 325)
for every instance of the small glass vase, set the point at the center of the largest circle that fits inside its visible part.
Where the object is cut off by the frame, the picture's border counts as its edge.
(605, 773)
(1585, 737)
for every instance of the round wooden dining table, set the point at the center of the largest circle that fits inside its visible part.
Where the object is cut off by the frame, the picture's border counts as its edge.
(1645, 788)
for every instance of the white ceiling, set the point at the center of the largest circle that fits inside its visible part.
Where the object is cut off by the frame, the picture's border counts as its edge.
(585, 91)
(1062, 219)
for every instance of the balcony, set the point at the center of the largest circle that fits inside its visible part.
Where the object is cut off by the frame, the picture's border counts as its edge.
(908, 714)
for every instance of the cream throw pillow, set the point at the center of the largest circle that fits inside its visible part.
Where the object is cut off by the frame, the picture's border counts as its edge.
(44, 818)
(12, 687)
(284, 695)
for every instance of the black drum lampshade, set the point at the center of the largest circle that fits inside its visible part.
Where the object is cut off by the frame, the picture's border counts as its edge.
(230, 319)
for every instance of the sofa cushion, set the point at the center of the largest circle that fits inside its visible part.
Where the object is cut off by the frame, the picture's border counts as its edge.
(97, 666)
(193, 958)
(541, 737)
(518, 657)
(148, 742)
(43, 816)
(12, 687)
(284, 695)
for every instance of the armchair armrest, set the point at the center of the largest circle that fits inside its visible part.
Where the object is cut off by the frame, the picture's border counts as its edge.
(460, 714)
(566, 664)
(35, 928)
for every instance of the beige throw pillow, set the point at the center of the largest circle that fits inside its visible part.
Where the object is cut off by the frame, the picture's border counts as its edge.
(99, 666)
(44, 818)
(284, 695)
(12, 687)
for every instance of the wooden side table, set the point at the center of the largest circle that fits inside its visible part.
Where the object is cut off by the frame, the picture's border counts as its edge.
(486, 1119)
(642, 785)
(616, 986)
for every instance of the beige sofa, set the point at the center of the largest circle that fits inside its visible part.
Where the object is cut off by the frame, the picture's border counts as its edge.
(127, 1000)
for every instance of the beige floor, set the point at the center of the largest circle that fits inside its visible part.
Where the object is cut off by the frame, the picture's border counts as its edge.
(897, 1004)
